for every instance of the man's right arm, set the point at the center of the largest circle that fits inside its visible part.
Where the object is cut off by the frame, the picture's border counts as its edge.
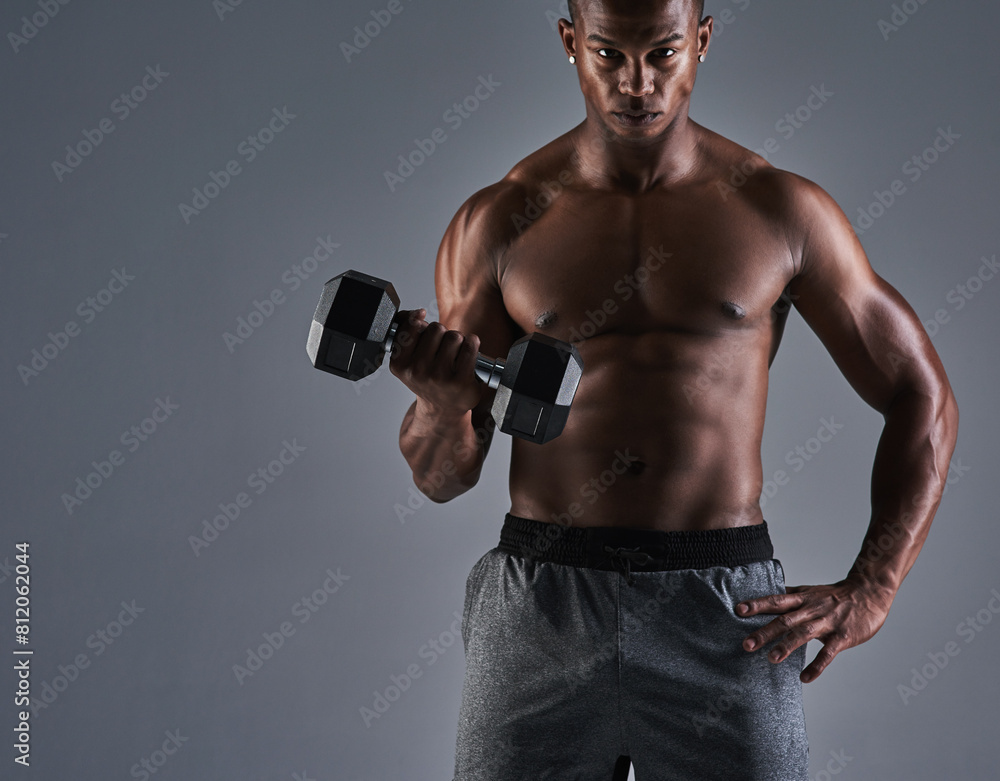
(447, 431)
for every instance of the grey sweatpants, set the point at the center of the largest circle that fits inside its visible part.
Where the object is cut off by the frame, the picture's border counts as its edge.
(569, 670)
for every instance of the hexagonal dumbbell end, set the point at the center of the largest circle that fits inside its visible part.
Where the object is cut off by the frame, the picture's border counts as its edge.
(539, 381)
(352, 324)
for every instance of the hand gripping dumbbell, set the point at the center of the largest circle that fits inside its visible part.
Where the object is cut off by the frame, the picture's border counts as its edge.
(354, 327)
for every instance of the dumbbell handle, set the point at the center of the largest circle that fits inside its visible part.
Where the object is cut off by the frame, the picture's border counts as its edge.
(489, 370)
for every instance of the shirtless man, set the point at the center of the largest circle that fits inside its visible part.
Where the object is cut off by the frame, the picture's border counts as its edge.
(630, 605)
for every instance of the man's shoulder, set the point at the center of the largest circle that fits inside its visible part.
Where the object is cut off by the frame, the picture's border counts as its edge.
(497, 213)
(738, 172)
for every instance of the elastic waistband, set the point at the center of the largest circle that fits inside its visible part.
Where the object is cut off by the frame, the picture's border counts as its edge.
(641, 550)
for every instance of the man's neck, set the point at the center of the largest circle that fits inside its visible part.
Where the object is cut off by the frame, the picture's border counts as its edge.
(608, 163)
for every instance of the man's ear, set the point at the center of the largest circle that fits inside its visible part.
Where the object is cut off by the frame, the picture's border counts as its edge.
(568, 34)
(705, 27)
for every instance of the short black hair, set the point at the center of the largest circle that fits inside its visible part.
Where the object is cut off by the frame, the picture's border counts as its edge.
(699, 4)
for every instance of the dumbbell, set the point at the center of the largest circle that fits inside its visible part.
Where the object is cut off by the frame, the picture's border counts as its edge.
(355, 325)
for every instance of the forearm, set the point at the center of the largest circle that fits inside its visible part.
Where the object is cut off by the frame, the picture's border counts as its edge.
(908, 479)
(444, 451)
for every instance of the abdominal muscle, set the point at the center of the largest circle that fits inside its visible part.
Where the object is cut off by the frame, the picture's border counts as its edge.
(664, 433)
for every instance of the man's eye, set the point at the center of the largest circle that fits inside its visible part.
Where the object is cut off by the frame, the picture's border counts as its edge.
(610, 54)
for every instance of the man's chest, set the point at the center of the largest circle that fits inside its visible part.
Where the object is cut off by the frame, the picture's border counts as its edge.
(593, 264)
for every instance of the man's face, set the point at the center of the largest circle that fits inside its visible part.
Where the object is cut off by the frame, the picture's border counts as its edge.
(637, 61)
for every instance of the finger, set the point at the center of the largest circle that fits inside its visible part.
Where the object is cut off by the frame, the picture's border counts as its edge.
(411, 316)
(427, 345)
(773, 603)
(777, 628)
(801, 634)
(465, 363)
(410, 325)
(826, 655)
(446, 359)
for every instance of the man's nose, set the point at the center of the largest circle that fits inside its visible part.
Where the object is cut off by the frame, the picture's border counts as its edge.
(637, 80)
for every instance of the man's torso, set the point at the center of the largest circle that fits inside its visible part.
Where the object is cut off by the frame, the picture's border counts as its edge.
(676, 300)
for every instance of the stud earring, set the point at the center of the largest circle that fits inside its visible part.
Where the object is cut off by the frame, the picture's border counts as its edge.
(572, 60)
(701, 58)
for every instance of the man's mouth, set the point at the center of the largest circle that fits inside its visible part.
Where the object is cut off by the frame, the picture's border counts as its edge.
(635, 118)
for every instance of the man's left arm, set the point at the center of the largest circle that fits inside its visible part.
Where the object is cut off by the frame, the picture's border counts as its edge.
(878, 342)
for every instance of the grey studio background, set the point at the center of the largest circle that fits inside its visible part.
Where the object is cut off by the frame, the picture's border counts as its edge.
(141, 635)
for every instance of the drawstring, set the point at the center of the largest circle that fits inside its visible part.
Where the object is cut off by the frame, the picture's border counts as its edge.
(624, 557)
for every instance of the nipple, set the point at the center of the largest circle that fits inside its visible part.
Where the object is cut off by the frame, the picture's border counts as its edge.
(545, 319)
(734, 311)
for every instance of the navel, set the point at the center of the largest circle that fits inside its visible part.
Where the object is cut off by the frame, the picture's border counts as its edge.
(545, 319)
(733, 310)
